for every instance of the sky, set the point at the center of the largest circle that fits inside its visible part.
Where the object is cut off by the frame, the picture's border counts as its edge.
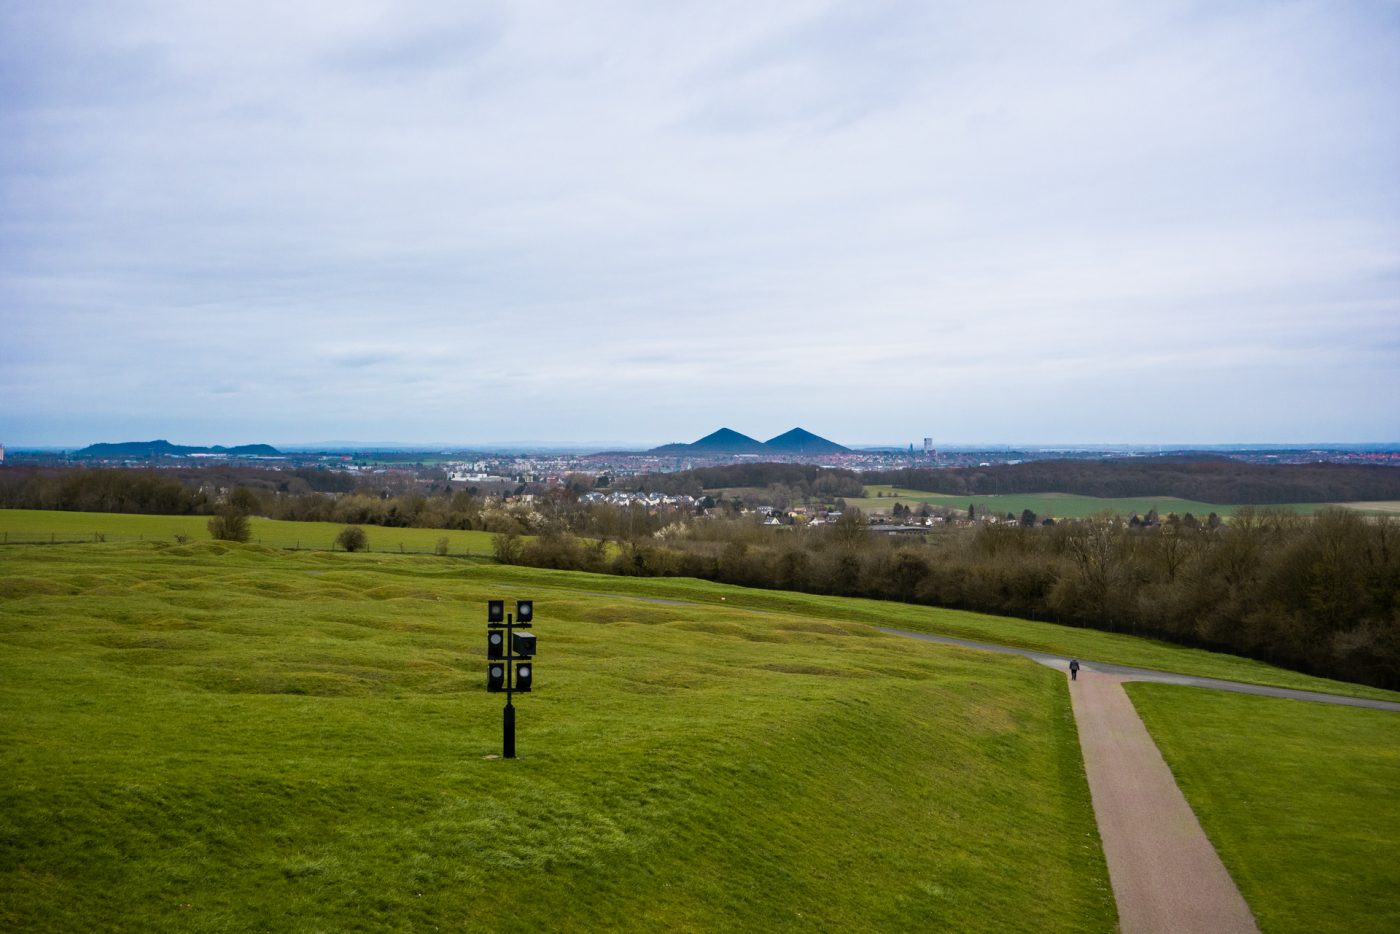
(634, 222)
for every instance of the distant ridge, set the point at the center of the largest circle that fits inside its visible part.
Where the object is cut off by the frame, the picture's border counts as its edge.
(724, 441)
(802, 441)
(162, 448)
(799, 441)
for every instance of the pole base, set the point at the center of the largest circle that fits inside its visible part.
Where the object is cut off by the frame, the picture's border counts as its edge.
(508, 741)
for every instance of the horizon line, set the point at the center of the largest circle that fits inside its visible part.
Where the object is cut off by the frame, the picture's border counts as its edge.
(634, 447)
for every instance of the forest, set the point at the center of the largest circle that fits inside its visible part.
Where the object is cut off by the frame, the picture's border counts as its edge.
(1206, 479)
(805, 481)
(187, 491)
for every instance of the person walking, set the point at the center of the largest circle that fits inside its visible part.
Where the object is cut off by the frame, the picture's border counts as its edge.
(1074, 669)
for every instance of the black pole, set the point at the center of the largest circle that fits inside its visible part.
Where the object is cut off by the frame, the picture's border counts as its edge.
(508, 744)
(508, 738)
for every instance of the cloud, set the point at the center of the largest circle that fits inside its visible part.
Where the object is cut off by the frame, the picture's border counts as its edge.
(360, 359)
(601, 222)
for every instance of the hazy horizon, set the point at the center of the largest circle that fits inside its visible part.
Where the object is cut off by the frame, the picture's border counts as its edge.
(1092, 220)
(638, 446)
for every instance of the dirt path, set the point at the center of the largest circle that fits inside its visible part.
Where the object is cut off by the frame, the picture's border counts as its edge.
(1166, 876)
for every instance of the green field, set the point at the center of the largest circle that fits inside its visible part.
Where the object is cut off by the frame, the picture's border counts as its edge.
(212, 737)
(1071, 506)
(1047, 637)
(34, 525)
(17, 525)
(1302, 801)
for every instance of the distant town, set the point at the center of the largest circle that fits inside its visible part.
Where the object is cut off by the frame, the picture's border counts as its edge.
(498, 471)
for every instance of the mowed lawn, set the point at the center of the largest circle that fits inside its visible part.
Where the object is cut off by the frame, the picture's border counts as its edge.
(36, 525)
(1301, 800)
(1089, 644)
(211, 737)
(1072, 506)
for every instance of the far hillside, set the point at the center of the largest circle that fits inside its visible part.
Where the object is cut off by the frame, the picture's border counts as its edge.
(881, 499)
(1208, 480)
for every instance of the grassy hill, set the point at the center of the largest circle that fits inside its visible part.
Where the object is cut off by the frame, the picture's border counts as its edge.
(211, 737)
(38, 525)
(214, 738)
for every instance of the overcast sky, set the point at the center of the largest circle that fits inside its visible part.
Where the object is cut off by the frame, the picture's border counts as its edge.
(637, 222)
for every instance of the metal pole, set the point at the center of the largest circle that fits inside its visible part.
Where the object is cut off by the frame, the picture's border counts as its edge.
(508, 744)
(508, 740)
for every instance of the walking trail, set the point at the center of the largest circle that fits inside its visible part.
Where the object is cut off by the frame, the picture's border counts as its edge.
(1166, 876)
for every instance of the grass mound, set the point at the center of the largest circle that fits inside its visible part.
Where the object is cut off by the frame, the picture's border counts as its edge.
(39, 526)
(214, 737)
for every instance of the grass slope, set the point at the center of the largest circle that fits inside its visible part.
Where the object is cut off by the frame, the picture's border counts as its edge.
(36, 525)
(1005, 630)
(226, 738)
(1302, 801)
(1074, 506)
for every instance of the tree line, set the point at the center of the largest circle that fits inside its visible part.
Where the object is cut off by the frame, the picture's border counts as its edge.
(803, 481)
(311, 495)
(1319, 595)
(1205, 479)
(173, 492)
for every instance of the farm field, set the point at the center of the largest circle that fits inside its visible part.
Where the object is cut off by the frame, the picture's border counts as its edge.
(230, 737)
(1071, 506)
(1378, 508)
(35, 525)
(1302, 801)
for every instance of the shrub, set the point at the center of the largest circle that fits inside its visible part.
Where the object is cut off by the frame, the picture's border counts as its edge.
(507, 548)
(352, 538)
(230, 524)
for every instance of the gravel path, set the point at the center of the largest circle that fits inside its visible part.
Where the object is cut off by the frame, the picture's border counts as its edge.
(1166, 876)
(1128, 673)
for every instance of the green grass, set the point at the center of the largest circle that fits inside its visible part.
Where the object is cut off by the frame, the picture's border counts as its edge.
(35, 525)
(1092, 644)
(1072, 506)
(208, 737)
(1302, 801)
